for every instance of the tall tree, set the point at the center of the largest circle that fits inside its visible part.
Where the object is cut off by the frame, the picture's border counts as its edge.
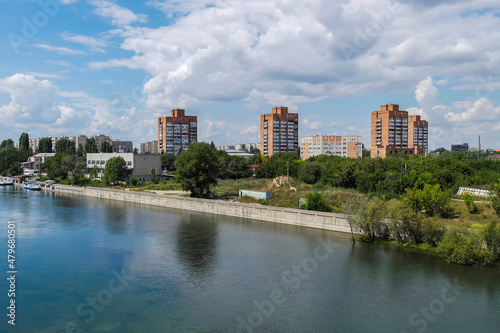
(197, 169)
(65, 146)
(106, 147)
(79, 151)
(24, 141)
(90, 146)
(45, 145)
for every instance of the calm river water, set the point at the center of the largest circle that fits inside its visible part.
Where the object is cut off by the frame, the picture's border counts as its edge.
(86, 265)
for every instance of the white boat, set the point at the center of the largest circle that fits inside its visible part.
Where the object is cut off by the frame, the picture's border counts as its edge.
(6, 181)
(33, 187)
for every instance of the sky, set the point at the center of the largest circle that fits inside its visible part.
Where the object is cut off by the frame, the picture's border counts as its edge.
(72, 67)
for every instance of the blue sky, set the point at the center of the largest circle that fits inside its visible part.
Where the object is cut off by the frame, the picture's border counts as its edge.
(70, 67)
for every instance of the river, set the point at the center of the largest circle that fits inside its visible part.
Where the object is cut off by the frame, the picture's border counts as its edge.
(86, 265)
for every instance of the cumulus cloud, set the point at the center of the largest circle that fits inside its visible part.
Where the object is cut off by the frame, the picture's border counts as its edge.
(426, 95)
(31, 100)
(310, 125)
(283, 53)
(208, 128)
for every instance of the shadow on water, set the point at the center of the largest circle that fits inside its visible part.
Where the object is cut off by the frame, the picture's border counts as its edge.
(197, 244)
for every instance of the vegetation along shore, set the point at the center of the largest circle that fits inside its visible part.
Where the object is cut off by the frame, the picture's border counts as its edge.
(406, 200)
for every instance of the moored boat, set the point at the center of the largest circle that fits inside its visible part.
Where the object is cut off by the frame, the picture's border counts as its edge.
(32, 186)
(6, 181)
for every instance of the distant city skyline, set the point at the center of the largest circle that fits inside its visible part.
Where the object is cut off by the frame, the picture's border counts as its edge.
(115, 67)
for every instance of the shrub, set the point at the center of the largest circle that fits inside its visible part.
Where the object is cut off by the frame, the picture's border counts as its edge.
(465, 246)
(315, 201)
(470, 202)
(131, 182)
(492, 237)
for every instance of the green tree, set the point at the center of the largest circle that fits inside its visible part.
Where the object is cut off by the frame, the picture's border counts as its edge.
(233, 167)
(90, 146)
(492, 237)
(45, 145)
(115, 170)
(495, 197)
(371, 220)
(317, 202)
(309, 172)
(430, 200)
(24, 141)
(10, 155)
(168, 162)
(405, 224)
(440, 150)
(7, 143)
(93, 172)
(54, 166)
(353, 209)
(106, 147)
(470, 201)
(80, 152)
(197, 169)
(65, 146)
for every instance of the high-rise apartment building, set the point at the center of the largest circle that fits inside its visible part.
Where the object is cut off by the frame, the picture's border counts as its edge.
(345, 146)
(394, 131)
(279, 132)
(176, 132)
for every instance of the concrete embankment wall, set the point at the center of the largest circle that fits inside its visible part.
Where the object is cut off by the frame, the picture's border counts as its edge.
(304, 218)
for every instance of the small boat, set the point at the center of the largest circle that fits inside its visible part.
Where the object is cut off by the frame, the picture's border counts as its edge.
(6, 181)
(32, 187)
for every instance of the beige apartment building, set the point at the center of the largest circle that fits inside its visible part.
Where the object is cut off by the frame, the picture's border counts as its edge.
(279, 132)
(394, 131)
(344, 146)
(176, 132)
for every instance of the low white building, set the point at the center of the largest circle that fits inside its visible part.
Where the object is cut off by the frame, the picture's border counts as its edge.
(138, 165)
(35, 162)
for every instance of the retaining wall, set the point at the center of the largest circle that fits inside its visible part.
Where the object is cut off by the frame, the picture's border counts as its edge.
(304, 218)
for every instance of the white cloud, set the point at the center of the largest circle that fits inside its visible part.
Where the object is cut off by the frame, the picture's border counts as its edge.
(59, 49)
(31, 101)
(46, 75)
(308, 125)
(209, 128)
(281, 53)
(119, 16)
(95, 45)
(426, 95)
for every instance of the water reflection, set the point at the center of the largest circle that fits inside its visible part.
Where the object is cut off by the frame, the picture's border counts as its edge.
(197, 244)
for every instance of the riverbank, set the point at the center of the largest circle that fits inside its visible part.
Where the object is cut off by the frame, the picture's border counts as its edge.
(290, 216)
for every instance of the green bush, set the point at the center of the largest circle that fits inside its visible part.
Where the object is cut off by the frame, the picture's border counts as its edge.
(131, 182)
(315, 201)
(463, 245)
(470, 201)
(492, 237)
